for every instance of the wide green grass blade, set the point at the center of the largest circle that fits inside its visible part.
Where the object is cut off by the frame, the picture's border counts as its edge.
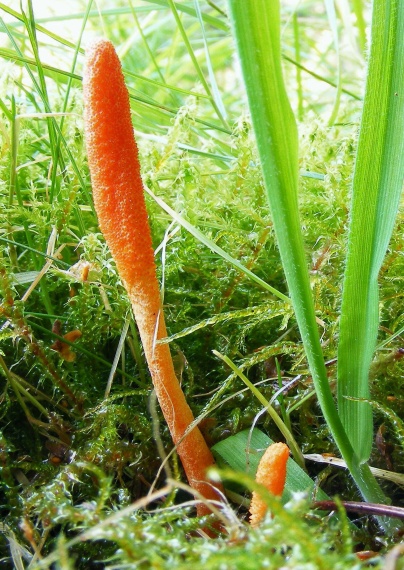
(377, 184)
(243, 451)
(257, 32)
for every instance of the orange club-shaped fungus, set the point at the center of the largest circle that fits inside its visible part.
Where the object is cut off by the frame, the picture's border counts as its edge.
(271, 473)
(120, 205)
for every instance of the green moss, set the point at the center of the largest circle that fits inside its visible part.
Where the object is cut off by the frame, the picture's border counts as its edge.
(89, 459)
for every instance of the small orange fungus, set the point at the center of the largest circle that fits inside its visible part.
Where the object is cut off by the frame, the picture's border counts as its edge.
(63, 348)
(271, 473)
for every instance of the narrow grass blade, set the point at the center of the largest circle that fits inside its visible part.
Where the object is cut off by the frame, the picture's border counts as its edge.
(215, 89)
(358, 7)
(195, 62)
(299, 86)
(270, 309)
(312, 73)
(187, 9)
(214, 247)
(290, 440)
(332, 18)
(377, 185)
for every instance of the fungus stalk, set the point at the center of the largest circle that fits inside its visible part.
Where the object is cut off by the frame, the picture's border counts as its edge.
(119, 202)
(271, 473)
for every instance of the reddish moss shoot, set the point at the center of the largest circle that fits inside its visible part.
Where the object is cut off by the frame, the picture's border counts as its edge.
(119, 202)
(271, 473)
